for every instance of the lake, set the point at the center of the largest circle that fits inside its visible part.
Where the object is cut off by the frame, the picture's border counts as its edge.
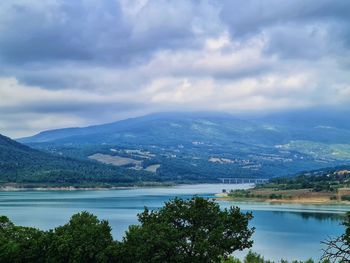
(282, 231)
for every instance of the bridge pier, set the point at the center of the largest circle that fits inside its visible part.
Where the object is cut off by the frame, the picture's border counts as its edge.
(239, 180)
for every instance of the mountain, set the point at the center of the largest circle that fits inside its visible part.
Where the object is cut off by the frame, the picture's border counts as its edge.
(206, 145)
(21, 164)
(150, 126)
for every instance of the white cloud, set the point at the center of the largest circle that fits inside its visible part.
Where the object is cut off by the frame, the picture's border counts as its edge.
(67, 63)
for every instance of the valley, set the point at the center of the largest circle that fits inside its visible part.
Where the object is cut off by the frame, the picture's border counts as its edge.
(201, 147)
(168, 148)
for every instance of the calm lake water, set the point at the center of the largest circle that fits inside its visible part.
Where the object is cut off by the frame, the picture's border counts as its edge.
(282, 231)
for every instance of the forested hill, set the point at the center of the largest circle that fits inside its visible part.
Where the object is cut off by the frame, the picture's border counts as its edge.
(204, 146)
(24, 165)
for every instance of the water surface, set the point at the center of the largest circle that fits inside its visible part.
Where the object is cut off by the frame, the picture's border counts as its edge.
(288, 231)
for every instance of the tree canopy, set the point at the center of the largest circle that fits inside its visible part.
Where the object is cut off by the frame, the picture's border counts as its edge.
(83, 239)
(193, 230)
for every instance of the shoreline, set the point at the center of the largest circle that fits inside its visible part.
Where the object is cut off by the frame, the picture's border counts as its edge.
(300, 201)
(18, 188)
(68, 188)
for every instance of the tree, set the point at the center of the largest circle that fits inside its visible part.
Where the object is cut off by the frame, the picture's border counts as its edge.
(194, 230)
(21, 244)
(338, 249)
(83, 239)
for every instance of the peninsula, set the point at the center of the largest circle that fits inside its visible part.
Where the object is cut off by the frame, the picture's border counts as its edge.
(317, 187)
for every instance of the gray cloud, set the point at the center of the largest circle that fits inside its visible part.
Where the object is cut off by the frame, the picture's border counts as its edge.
(305, 29)
(69, 63)
(96, 31)
(253, 16)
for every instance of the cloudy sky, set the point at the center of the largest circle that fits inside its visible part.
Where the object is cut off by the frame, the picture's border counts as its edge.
(74, 63)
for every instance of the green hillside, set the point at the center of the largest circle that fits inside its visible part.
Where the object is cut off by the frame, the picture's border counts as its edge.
(204, 146)
(24, 165)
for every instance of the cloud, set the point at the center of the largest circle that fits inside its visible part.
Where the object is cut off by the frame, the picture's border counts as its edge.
(97, 31)
(305, 29)
(69, 63)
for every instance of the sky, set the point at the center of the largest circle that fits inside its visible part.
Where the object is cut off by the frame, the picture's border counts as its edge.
(74, 63)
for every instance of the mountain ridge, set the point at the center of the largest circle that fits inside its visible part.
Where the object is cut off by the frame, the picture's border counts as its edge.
(40, 137)
(211, 144)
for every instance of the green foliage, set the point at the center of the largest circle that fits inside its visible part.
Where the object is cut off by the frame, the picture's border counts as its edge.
(194, 230)
(252, 257)
(240, 193)
(248, 194)
(327, 180)
(183, 154)
(83, 239)
(345, 198)
(230, 260)
(20, 244)
(250, 144)
(275, 196)
(31, 168)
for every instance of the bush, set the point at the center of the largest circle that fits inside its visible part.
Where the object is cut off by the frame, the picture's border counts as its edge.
(345, 198)
(252, 257)
(275, 196)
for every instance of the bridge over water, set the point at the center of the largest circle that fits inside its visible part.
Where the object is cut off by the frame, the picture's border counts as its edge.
(241, 180)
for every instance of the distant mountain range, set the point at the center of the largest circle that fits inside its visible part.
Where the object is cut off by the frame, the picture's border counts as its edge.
(204, 146)
(325, 126)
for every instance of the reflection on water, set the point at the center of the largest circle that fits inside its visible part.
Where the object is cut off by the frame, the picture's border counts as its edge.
(282, 230)
(336, 217)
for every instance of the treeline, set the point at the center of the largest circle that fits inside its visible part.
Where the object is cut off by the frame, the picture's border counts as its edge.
(194, 230)
(69, 166)
(23, 165)
(327, 180)
(189, 166)
(69, 172)
(252, 257)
